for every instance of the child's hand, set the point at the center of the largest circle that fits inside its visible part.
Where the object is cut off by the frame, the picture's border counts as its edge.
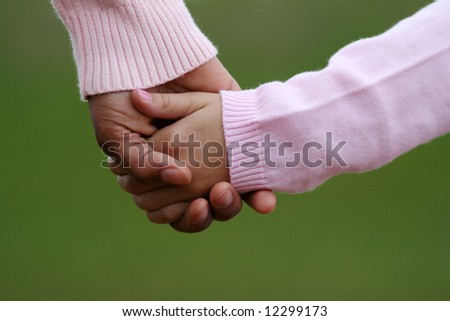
(113, 115)
(197, 140)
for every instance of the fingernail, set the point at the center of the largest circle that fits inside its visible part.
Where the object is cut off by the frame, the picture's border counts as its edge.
(173, 176)
(225, 199)
(146, 96)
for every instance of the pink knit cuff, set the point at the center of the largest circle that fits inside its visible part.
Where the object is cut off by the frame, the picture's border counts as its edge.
(126, 44)
(243, 140)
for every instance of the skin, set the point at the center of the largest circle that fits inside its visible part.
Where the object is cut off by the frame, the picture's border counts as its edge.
(114, 115)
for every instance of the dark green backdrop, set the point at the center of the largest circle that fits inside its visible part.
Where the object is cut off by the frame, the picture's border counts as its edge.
(68, 233)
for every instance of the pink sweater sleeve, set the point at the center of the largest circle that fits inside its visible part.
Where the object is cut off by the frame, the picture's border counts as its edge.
(127, 44)
(377, 99)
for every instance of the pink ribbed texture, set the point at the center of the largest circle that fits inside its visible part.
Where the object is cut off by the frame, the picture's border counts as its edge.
(241, 128)
(383, 96)
(127, 44)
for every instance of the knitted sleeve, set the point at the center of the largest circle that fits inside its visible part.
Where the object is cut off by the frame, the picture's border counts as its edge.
(126, 44)
(377, 99)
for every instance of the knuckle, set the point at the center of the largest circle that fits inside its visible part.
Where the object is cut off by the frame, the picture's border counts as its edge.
(138, 175)
(154, 217)
(143, 203)
(143, 174)
(126, 185)
(166, 101)
(230, 85)
(161, 216)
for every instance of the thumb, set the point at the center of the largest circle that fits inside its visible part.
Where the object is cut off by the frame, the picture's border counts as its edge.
(169, 106)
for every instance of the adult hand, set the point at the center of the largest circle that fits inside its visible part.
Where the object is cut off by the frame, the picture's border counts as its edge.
(113, 116)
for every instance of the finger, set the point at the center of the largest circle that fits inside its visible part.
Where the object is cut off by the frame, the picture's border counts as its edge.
(133, 186)
(156, 199)
(234, 86)
(115, 168)
(157, 167)
(196, 218)
(168, 214)
(169, 106)
(135, 156)
(264, 202)
(113, 115)
(226, 203)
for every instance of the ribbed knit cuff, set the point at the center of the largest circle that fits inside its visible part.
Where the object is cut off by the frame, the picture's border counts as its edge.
(127, 44)
(243, 139)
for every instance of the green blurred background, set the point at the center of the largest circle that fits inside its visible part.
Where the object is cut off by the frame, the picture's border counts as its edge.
(68, 233)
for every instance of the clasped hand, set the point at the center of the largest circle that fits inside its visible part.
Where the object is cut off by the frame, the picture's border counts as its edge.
(184, 186)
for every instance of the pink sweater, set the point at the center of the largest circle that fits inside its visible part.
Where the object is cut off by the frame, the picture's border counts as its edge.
(377, 99)
(127, 44)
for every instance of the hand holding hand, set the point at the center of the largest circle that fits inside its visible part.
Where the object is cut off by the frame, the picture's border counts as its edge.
(197, 140)
(113, 116)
